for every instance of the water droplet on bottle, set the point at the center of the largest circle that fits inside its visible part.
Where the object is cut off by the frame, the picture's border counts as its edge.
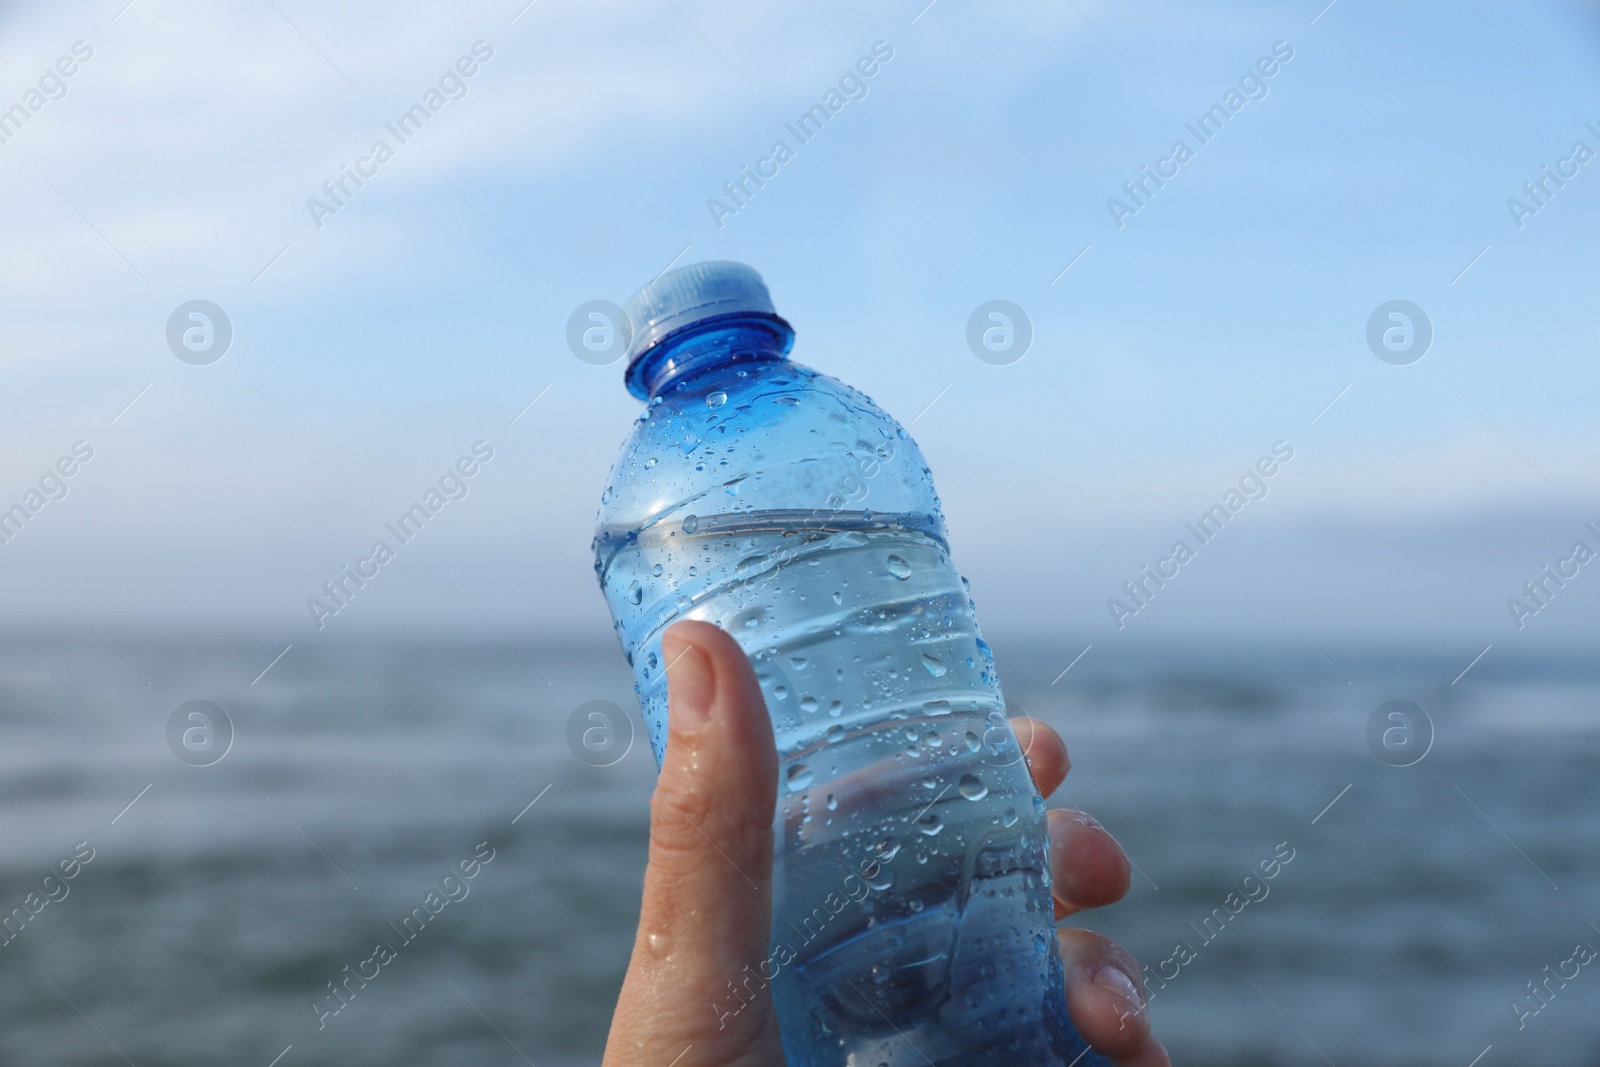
(799, 777)
(1010, 818)
(781, 692)
(651, 462)
(930, 824)
(808, 704)
(974, 742)
(836, 708)
(691, 523)
(635, 593)
(656, 570)
(797, 662)
(899, 568)
(838, 597)
(651, 661)
(833, 802)
(934, 664)
(716, 399)
(1040, 945)
(836, 733)
(972, 787)
(882, 880)
(1038, 805)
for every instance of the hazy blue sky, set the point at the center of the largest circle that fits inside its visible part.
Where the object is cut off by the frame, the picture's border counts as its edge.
(371, 351)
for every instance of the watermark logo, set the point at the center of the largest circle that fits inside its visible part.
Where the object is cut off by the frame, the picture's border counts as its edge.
(599, 332)
(999, 332)
(1399, 332)
(739, 191)
(1537, 591)
(599, 733)
(337, 192)
(199, 332)
(199, 733)
(1203, 129)
(1399, 733)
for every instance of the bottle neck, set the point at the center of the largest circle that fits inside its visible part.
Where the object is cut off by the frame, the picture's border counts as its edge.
(707, 346)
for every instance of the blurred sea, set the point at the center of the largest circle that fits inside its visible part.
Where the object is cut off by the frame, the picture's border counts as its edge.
(219, 904)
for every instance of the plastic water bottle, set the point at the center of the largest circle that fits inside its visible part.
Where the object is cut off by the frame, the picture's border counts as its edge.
(912, 915)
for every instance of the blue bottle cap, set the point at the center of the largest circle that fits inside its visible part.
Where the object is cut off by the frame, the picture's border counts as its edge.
(694, 294)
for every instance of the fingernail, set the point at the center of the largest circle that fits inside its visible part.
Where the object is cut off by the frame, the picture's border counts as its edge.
(690, 683)
(1088, 820)
(1109, 976)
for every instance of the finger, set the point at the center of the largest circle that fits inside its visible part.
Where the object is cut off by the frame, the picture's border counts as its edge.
(695, 975)
(1046, 753)
(1088, 869)
(1106, 997)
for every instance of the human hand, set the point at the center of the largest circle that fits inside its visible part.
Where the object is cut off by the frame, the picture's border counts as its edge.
(707, 908)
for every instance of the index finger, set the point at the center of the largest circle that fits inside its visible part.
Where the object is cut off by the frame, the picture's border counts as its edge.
(1046, 753)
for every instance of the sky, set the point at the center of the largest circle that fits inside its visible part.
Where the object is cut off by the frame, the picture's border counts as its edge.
(1178, 336)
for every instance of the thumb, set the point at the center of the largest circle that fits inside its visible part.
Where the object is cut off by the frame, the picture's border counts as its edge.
(695, 980)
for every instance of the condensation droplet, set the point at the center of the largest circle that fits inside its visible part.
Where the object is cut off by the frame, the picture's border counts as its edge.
(1010, 818)
(899, 568)
(781, 692)
(716, 399)
(833, 802)
(809, 704)
(972, 787)
(799, 777)
(657, 570)
(836, 733)
(930, 823)
(635, 593)
(934, 665)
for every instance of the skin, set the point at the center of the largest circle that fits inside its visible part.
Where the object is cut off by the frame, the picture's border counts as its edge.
(708, 884)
